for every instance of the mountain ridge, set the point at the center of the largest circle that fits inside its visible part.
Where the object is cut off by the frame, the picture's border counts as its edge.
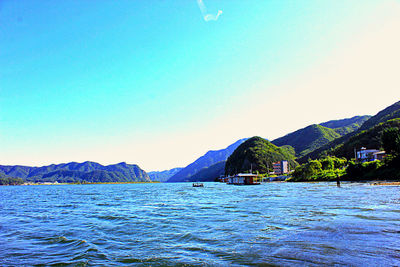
(210, 158)
(78, 172)
(209, 174)
(312, 137)
(163, 176)
(390, 112)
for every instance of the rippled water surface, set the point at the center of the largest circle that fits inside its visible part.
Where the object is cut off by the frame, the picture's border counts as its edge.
(177, 224)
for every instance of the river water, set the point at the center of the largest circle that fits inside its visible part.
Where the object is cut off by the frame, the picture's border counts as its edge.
(219, 225)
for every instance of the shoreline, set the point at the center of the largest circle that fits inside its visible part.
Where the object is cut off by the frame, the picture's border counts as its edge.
(396, 183)
(370, 182)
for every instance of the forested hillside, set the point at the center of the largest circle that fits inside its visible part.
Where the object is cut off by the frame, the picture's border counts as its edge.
(257, 154)
(78, 172)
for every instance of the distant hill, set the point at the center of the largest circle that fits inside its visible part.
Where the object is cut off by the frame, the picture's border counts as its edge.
(7, 180)
(209, 174)
(78, 172)
(257, 154)
(210, 158)
(312, 137)
(333, 147)
(163, 176)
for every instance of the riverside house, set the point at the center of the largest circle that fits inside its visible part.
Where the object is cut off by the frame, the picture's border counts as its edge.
(243, 179)
(365, 155)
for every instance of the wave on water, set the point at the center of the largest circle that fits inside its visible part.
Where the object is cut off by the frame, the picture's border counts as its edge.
(218, 225)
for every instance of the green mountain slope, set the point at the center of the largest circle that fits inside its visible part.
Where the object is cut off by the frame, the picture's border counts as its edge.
(307, 139)
(345, 126)
(391, 112)
(257, 154)
(78, 172)
(370, 138)
(315, 136)
(388, 113)
(356, 120)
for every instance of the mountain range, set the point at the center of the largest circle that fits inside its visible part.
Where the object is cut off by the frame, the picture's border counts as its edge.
(210, 158)
(209, 174)
(163, 176)
(299, 143)
(78, 172)
(335, 137)
(312, 137)
(345, 126)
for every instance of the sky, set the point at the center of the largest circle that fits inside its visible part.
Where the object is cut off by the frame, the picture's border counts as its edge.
(160, 82)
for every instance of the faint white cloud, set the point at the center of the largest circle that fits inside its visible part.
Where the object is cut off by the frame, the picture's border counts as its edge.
(207, 16)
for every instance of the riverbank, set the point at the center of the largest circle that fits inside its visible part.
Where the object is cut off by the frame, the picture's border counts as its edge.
(386, 183)
(371, 182)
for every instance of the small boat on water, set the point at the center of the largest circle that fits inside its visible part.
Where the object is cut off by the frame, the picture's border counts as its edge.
(198, 185)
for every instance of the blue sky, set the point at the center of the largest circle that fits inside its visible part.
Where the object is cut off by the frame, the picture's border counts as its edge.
(153, 83)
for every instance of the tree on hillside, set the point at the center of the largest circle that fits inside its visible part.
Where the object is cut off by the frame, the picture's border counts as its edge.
(391, 140)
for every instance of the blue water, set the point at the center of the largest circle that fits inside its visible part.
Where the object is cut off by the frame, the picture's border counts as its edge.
(219, 225)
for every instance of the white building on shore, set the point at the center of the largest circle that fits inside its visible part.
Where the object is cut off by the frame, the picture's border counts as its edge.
(365, 155)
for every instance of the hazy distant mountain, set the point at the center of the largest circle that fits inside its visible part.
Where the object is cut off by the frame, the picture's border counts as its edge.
(78, 172)
(312, 137)
(163, 176)
(209, 174)
(210, 158)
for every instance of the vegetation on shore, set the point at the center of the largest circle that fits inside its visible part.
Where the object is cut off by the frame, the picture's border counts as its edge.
(371, 138)
(368, 135)
(387, 169)
(332, 168)
(7, 180)
(324, 169)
